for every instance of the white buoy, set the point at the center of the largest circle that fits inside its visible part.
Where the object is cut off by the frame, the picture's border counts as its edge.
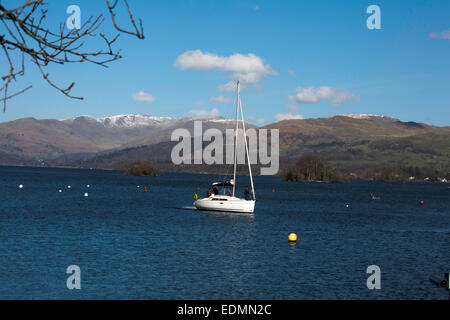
(138, 186)
(88, 186)
(347, 205)
(59, 190)
(68, 187)
(21, 186)
(86, 195)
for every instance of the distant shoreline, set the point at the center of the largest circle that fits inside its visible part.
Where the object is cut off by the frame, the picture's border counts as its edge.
(209, 173)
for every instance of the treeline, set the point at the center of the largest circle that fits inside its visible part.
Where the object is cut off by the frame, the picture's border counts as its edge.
(312, 168)
(397, 173)
(142, 168)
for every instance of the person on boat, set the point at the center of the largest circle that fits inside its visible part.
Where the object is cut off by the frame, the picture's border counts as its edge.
(216, 190)
(246, 193)
(208, 193)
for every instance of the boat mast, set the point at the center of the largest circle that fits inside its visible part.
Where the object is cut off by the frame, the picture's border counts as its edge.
(246, 150)
(236, 138)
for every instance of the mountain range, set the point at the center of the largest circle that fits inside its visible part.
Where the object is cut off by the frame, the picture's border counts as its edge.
(29, 140)
(351, 142)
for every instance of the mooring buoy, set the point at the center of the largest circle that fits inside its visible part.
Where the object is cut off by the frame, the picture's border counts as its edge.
(292, 237)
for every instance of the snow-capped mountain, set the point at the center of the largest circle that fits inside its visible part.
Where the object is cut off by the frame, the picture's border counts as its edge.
(375, 117)
(134, 120)
(219, 120)
(126, 121)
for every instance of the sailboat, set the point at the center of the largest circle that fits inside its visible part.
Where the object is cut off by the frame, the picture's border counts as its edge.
(230, 203)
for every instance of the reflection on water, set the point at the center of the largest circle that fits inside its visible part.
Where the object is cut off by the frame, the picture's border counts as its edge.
(228, 214)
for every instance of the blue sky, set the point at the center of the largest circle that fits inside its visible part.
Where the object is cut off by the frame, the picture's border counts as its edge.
(309, 58)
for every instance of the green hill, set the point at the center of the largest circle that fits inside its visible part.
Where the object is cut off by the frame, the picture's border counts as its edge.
(356, 147)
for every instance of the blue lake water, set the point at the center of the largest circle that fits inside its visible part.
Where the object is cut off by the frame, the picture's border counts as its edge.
(135, 245)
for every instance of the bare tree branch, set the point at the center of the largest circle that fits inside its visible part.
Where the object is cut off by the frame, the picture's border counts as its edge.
(23, 36)
(139, 32)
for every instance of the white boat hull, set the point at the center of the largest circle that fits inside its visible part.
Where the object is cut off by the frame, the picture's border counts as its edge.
(225, 204)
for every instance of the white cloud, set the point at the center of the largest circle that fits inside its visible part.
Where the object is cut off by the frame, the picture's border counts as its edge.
(229, 86)
(441, 35)
(144, 97)
(247, 68)
(256, 120)
(315, 95)
(221, 99)
(197, 113)
(287, 116)
(292, 114)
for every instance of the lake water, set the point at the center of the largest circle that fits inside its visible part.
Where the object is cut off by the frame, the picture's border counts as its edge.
(131, 244)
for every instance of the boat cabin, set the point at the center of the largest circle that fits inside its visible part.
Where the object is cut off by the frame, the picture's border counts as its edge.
(226, 189)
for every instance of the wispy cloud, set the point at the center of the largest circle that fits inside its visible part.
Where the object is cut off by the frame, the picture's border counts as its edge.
(440, 35)
(229, 86)
(247, 68)
(256, 8)
(292, 114)
(143, 97)
(197, 113)
(292, 73)
(315, 95)
(221, 99)
(258, 121)
(287, 116)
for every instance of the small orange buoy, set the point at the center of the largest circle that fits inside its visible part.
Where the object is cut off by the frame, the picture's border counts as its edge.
(198, 189)
(273, 190)
(422, 202)
(145, 189)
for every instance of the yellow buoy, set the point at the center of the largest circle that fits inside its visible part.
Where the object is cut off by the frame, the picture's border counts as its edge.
(195, 196)
(194, 204)
(292, 237)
